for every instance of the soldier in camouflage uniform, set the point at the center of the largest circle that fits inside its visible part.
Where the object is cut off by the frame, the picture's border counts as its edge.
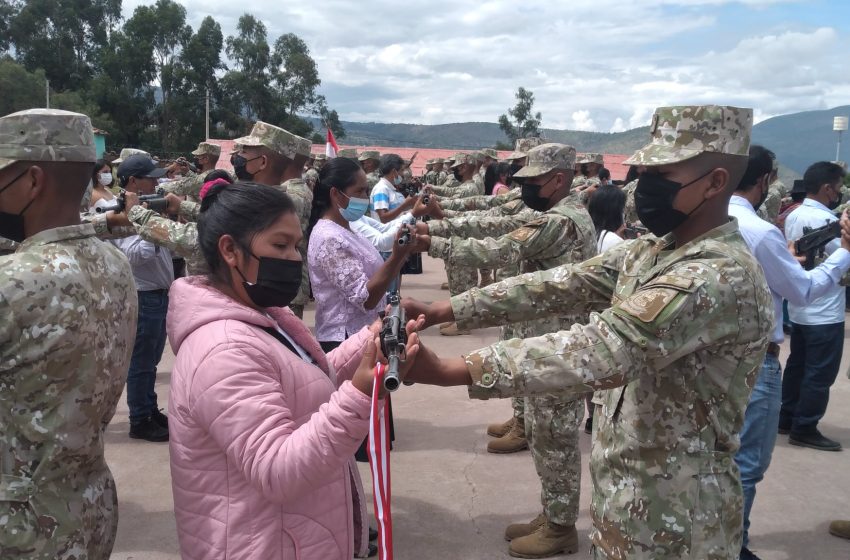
(67, 322)
(441, 176)
(206, 158)
(679, 326)
(369, 161)
(311, 177)
(585, 185)
(563, 234)
(466, 166)
(430, 177)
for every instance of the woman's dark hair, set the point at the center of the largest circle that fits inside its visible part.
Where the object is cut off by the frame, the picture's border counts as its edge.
(240, 210)
(604, 174)
(339, 173)
(632, 174)
(218, 174)
(583, 169)
(606, 208)
(98, 165)
(493, 173)
(390, 163)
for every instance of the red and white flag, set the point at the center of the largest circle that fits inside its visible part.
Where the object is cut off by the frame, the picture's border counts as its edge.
(331, 148)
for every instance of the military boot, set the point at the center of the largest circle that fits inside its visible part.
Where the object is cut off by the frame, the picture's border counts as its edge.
(840, 529)
(517, 530)
(548, 540)
(450, 329)
(511, 442)
(500, 429)
(486, 277)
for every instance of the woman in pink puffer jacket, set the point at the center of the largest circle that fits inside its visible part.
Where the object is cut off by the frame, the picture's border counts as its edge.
(263, 425)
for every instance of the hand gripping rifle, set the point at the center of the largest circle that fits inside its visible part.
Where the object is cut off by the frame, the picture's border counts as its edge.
(814, 240)
(393, 341)
(407, 223)
(155, 202)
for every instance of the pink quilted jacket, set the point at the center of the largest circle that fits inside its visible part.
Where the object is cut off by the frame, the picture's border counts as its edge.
(261, 442)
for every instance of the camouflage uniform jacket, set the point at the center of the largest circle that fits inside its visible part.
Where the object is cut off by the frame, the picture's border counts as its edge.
(68, 310)
(7, 246)
(480, 202)
(479, 227)
(511, 208)
(467, 188)
(302, 197)
(430, 178)
(680, 342)
(180, 239)
(630, 212)
(450, 182)
(372, 180)
(311, 178)
(442, 177)
(563, 234)
(769, 210)
(188, 186)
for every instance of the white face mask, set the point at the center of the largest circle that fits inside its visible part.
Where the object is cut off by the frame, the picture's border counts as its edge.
(105, 179)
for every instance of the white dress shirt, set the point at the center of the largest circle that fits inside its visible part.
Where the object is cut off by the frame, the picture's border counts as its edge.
(828, 309)
(381, 235)
(785, 277)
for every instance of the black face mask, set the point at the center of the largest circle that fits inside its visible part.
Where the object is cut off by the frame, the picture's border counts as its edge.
(837, 202)
(278, 282)
(12, 225)
(654, 197)
(240, 164)
(456, 173)
(761, 200)
(531, 196)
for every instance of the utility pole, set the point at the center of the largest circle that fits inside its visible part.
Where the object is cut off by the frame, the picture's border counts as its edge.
(207, 121)
(47, 93)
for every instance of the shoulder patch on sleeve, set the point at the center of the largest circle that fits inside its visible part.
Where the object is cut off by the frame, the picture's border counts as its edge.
(646, 305)
(524, 233)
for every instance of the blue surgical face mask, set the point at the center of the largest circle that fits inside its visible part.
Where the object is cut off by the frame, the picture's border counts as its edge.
(397, 180)
(356, 208)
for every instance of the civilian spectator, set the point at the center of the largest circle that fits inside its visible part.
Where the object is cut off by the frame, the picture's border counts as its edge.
(606, 210)
(386, 202)
(496, 179)
(101, 180)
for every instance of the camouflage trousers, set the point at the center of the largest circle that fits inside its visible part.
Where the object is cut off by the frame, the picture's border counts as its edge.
(552, 429)
(461, 279)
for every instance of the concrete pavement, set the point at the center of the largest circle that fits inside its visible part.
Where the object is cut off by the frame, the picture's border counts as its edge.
(452, 500)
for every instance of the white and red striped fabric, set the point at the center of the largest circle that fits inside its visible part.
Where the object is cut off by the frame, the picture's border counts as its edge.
(379, 462)
(331, 148)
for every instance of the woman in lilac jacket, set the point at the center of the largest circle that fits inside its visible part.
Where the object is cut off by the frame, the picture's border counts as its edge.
(263, 423)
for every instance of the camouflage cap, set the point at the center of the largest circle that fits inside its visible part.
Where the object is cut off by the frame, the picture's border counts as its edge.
(348, 152)
(277, 140)
(321, 157)
(460, 158)
(490, 153)
(591, 158)
(477, 155)
(682, 132)
(46, 135)
(516, 155)
(205, 148)
(439, 160)
(369, 154)
(546, 157)
(127, 152)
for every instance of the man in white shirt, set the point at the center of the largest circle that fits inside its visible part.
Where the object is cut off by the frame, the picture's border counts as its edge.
(788, 280)
(817, 329)
(386, 202)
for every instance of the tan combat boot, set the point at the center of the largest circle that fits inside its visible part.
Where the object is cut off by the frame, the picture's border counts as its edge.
(548, 540)
(840, 529)
(486, 278)
(451, 329)
(511, 442)
(517, 530)
(500, 429)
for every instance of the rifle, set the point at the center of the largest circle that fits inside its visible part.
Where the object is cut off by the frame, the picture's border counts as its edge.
(633, 232)
(393, 340)
(814, 240)
(155, 202)
(406, 223)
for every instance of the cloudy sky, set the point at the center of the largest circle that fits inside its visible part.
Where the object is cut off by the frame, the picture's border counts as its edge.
(592, 64)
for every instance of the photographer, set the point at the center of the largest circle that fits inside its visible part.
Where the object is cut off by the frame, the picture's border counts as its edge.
(153, 271)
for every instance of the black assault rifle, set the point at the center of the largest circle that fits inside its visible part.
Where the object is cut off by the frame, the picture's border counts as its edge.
(155, 202)
(814, 240)
(394, 340)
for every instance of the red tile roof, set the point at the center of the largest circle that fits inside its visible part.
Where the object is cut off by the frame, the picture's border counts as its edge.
(613, 162)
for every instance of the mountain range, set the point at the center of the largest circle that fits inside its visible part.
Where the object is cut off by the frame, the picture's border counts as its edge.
(798, 139)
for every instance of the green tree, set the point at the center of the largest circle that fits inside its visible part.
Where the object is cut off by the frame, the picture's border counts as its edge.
(330, 118)
(63, 37)
(21, 89)
(247, 88)
(522, 122)
(8, 11)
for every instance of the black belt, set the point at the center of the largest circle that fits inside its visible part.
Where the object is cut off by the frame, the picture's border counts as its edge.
(161, 292)
(773, 349)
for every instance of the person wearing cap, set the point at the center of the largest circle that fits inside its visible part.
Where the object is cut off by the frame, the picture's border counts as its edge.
(369, 161)
(679, 325)
(67, 318)
(439, 176)
(787, 280)
(430, 176)
(449, 177)
(154, 273)
(817, 328)
(350, 153)
(796, 198)
(311, 175)
(206, 157)
(465, 168)
(562, 234)
(588, 181)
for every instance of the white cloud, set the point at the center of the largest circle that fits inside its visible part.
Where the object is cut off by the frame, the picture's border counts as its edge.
(592, 64)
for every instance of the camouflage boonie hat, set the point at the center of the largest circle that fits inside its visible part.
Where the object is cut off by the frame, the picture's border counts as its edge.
(205, 148)
(461, 158)
(682, 132)
(477, 156)
(277, 140)
(591, 158)
(490, 153)
(546, 157)
(46, 135)
(369, 154)
(348, 152)
(439, 160)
